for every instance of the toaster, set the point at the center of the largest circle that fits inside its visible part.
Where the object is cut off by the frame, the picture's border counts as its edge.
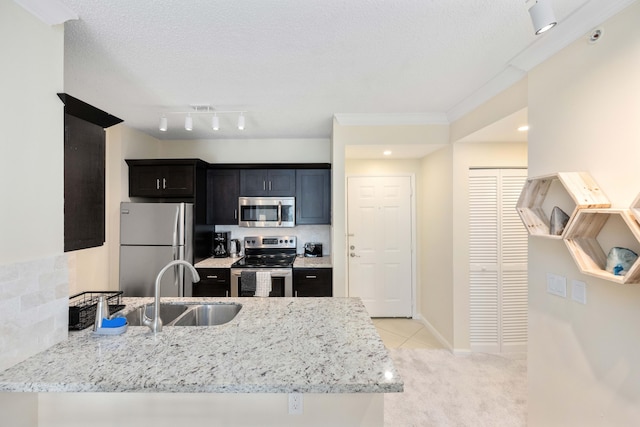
(313, 249)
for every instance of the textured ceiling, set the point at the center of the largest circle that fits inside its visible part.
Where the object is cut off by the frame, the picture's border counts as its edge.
(293, 64)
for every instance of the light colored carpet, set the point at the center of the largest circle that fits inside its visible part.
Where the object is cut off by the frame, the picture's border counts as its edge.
(443, 390)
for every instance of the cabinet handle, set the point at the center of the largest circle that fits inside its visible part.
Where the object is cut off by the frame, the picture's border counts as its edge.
(235, 214)
(212, 277)
(311, 277)
(264, 185)
(226, 294)
(164, 183)
(296, 294)
(157, 183)
(269, 185)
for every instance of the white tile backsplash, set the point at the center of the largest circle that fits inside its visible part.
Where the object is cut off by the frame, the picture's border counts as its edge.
(303, 233)
(34, 307)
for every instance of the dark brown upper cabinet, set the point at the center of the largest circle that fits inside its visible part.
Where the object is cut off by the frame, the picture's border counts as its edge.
(268, 182)
(223, 188)
(84, 169)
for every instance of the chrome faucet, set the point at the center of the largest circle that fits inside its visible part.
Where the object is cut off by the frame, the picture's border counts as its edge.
(155, 323)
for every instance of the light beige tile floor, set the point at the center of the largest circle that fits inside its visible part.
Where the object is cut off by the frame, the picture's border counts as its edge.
(405, 333)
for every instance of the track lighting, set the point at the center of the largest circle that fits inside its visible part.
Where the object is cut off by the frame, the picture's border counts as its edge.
(202, 109)
(542, 16)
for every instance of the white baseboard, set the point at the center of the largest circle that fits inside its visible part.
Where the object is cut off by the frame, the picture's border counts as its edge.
(435, 332)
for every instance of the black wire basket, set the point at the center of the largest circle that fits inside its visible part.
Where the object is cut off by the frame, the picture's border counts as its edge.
(82, 307)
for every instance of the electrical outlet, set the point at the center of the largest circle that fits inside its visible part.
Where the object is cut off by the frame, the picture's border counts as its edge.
(295, 403)
(579, 291)
(557, 285)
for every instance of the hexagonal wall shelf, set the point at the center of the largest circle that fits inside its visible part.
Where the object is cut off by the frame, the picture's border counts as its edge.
(635, 208)
(579, 186)
(586, 240)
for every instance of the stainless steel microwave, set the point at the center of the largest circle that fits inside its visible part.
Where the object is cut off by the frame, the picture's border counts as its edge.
(267, 211)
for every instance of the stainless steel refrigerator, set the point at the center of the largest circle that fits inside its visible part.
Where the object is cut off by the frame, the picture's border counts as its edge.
(151, 235)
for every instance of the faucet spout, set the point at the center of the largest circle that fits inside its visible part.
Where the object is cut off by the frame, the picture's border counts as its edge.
(155, 323)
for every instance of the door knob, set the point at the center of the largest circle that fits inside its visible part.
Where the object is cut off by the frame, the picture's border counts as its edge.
(353, 255)
(352, 247)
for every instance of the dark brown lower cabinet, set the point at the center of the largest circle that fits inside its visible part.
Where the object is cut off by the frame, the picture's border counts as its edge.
(312, 282)
(214, 282)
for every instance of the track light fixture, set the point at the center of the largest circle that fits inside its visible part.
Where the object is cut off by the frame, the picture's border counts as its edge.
(163, 124)
(542, 16)
(241, 122)
(202, 109)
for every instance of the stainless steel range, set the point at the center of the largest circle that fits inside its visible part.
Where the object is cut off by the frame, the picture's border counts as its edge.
(273, 254)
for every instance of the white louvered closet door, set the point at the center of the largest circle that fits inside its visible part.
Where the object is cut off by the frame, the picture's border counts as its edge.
(498, 262)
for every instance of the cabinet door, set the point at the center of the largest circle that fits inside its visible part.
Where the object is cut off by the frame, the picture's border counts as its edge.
(222, 199)
(313, 196)
(161, 180)
(253, 182)
(145, 181)
(281, 182)
(268, 182)
(312, 282)
(214, 282)
(177, 180)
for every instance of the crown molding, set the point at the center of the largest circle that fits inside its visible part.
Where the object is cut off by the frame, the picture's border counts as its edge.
(51, 12)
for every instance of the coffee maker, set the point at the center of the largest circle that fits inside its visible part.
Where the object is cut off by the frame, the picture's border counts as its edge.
(220, 244)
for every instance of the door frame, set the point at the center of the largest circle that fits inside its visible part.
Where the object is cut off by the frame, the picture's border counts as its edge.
(412, 210)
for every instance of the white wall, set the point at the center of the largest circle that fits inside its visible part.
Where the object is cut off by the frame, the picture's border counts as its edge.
(435, 263)
(584, 110)
(249, 150)
(31, 154)
(33, 268)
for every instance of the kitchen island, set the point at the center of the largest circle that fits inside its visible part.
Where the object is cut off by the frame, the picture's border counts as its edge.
(325, 348)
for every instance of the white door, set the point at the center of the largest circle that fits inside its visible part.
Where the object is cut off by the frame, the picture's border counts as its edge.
(498, 262)
(379, 244)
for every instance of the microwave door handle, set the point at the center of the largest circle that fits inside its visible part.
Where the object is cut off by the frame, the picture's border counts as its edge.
(279, 213)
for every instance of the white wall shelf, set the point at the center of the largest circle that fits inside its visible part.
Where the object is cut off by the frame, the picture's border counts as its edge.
(538, 196)
(635, 208)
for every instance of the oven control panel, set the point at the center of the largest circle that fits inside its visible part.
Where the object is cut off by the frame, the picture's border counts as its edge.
(270, 242)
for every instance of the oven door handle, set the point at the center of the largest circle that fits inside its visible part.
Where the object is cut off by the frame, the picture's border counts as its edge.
(279, 213)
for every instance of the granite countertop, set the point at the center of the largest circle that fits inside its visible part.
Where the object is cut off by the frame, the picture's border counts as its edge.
(313, 262)
(273, 345)
(300, 262)
(216, 262)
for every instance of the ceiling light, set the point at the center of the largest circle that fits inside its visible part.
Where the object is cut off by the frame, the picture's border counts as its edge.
(202, 109)
(386, 153)
(241, 121)
(542, 15)
(523, 128)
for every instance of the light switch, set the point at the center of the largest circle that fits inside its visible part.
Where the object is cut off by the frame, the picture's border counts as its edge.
(579, 291)
(557, 285)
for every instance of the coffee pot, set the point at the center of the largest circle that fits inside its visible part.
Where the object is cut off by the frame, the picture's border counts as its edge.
(234, 248)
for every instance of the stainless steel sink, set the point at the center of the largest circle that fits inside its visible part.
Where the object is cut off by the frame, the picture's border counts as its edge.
(208, 315)
(168, 313)
(187, 314)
